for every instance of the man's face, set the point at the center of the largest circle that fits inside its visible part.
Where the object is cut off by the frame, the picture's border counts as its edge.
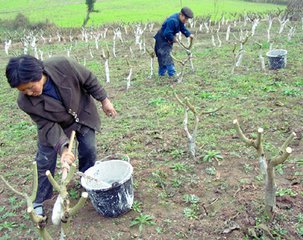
(183, 19)
(32, 88)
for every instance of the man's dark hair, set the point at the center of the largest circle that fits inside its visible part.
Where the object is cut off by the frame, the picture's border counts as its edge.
(23, 69)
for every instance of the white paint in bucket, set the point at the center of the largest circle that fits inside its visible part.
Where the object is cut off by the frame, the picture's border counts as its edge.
(112, 194)
(107, 173)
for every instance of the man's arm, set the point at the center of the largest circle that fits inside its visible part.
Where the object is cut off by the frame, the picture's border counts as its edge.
(168, 32)
(185, 31)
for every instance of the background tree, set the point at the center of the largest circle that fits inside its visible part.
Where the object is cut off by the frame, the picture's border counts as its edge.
(90, 8)
(295, 9)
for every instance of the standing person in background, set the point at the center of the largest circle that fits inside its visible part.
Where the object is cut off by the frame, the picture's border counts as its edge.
(165, 38)
(58, 96)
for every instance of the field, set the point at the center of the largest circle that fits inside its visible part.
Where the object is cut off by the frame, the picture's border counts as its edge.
(220, 194)
(71, 13)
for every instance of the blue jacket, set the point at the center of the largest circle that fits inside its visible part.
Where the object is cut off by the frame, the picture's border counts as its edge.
(172, 26)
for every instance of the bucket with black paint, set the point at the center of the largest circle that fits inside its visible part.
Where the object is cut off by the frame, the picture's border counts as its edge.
(109, 184)
(277, 58)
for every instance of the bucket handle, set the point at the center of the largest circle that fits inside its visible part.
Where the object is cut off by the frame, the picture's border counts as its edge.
(119, 156)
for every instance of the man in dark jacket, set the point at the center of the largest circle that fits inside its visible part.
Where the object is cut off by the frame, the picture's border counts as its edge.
(58, 96)
(165, 38)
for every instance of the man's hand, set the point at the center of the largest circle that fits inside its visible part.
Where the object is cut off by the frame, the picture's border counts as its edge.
(191, 36)
(108, 108)
(67, 157)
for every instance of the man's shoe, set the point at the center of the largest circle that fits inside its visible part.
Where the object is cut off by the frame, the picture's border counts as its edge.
(174, 78)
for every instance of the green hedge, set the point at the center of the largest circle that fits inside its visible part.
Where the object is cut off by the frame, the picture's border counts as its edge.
(281, 2)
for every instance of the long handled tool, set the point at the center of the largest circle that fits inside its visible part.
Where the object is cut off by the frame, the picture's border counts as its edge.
(69, 150)
(58, 206)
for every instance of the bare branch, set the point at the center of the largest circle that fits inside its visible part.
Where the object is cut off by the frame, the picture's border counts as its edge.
(79, 205)
(178, 99)
(190, 106)
(209, 112)
(185, 47)
(52, 181)
(12, 188)
(247, 141)
(35, 182)
(282, 157)
(287, 141)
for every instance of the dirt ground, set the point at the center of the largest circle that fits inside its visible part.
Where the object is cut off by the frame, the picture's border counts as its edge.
(228, 193)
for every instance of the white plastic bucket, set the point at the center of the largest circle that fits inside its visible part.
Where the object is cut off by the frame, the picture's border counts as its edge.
(112, 194)
(277, 58)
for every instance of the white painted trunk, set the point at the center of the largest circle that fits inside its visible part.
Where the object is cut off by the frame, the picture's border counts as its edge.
(41, 55)
(240, 57)
(128, 79)
(227, 33)
(282, 25)
(97, 44)
(191, 62)
(219, 40)
(213, 40)
(131, 51)
(268, 30)
(57, 211)
(270, 190)
(291, 33)
(62, 234)
(36, 53)
(106, 66)
(207, 28)
(7, 46)
(114, 47)
(191, 139)
(151, 67)
(255, 24)
(43, 39)
(263, 165)
(262, 61)
(144, 47)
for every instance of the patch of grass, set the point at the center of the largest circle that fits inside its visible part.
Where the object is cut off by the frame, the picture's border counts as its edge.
(179, 167)
(212, 155)
(192, 212)
(211, 171)
(74, 194)
(292, 92)
(137, 206)
(286, 192)
(143, 219)
(191, 198)
(72, 13)
(8, 226)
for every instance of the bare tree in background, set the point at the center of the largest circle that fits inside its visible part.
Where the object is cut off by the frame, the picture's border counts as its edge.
(90, 8)
(294, 9)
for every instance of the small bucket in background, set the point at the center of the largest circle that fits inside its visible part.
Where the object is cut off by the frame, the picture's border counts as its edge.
(112, 194)
(277, 58)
